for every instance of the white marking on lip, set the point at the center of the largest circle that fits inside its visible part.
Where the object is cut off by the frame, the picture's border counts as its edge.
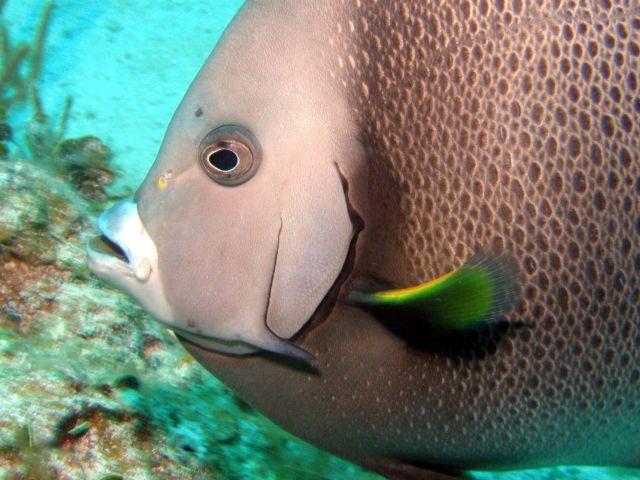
(139, 274)
(122, 226)
(100, 263)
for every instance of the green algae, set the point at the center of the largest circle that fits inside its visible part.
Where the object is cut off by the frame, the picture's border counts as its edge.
(79, 429)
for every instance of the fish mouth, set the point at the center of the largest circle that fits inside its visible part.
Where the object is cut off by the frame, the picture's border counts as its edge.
(101, 244)
(124, 248)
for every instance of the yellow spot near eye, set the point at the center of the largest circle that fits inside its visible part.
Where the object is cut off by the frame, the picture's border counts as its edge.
(162, 182)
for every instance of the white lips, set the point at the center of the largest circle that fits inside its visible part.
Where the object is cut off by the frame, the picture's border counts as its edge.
(122, 225)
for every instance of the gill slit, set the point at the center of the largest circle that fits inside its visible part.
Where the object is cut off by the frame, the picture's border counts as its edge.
(273, 275)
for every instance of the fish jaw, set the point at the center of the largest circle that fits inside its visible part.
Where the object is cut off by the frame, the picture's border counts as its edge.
(122, 226)
(139, 275)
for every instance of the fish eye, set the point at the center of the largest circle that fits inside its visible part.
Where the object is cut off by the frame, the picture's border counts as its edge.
(230, 154)
(224, 160)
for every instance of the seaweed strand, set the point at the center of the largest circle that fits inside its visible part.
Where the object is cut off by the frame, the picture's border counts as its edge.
(39, 42)
(64, 117)
(5, 43)
(11, 68)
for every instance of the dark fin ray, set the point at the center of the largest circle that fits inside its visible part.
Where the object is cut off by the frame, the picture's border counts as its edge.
(270, 342)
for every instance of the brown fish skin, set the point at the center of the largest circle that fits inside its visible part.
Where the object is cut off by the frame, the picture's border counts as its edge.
(515, 124)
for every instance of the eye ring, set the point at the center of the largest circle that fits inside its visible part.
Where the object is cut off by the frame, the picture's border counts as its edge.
(230, 155)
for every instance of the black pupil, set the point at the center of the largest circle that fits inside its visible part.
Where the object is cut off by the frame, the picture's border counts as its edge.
(224, 160)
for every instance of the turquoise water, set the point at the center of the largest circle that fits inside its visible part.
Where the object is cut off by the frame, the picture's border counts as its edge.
(126, 64)
(69, 346)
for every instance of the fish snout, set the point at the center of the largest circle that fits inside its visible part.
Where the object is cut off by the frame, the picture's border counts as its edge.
(125, 244)
(126, 257)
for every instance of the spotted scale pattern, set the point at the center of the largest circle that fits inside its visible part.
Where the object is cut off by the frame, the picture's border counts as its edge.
(514, 124)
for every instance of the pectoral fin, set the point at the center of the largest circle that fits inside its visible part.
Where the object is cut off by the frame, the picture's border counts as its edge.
(477, 293)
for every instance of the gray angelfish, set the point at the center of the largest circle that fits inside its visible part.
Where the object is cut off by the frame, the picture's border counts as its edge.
(457, 153)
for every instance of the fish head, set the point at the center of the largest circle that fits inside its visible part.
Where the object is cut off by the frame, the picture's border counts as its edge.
(242, 225)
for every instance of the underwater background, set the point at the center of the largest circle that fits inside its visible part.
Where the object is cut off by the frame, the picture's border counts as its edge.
(90, 386)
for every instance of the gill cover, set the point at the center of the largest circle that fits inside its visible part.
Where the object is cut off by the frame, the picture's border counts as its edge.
(244, 203)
